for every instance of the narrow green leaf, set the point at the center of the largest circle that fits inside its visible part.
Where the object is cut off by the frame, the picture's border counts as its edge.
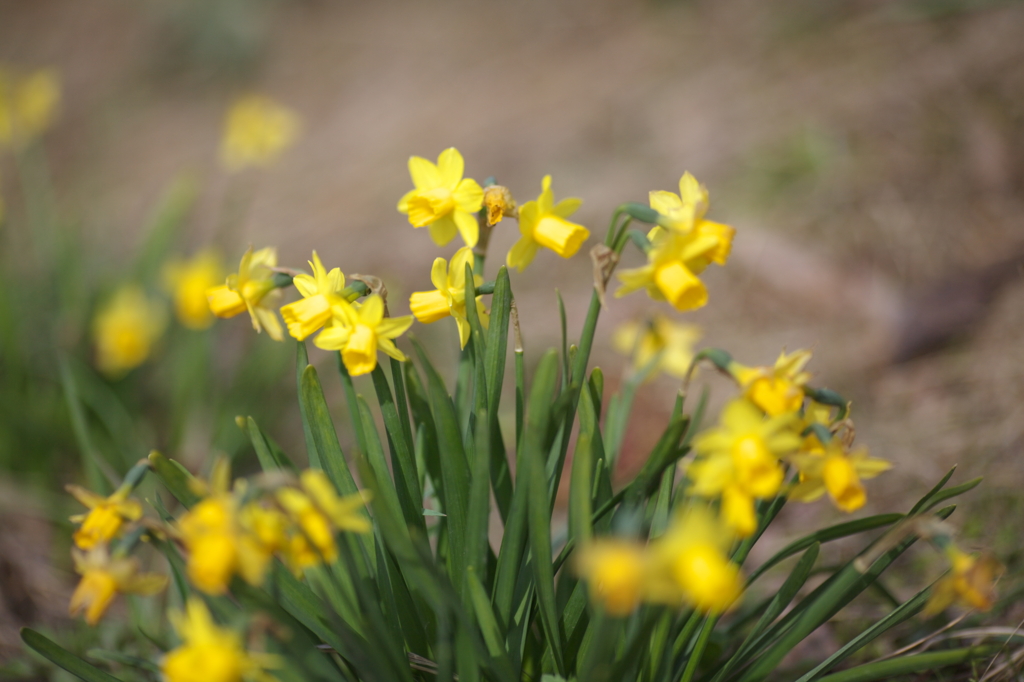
(474, 320)
(321, 428)
(353, 404)
(375, 458)
(426, 432)
(267, 460)
(175, 478)
(301, 362)
(494, 361)
(403, 461)
(479, 511)
(539, 502)
(905, 665)
(898, 615)
(101, 480)
(580, 483)
(936, 488)
(944, 495)
(64, 658)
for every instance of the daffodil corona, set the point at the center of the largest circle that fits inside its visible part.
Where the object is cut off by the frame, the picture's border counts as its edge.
(449, 298)
(442, 199)
(543, 223)
(359, 330)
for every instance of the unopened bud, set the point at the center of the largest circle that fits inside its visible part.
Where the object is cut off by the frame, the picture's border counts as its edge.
(499, 203)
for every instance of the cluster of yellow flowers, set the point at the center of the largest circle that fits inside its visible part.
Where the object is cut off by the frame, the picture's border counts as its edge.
(228, 532)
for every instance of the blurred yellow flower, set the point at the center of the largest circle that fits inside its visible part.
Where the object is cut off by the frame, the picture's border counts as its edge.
(251, 288)
(449, 299)
(257, 130)
(693, 554)
(105, 518)
(318, 513)
(188, 280)
(209, 653)
(443, 199)
(125, 329)
(543, 223)
(360, 330)
(739, 460)
(28, 104)
(683, 245)
(661, 340)
(616, 573)
(778, 389)
(971, 582)
(829, 468)
(103, 578)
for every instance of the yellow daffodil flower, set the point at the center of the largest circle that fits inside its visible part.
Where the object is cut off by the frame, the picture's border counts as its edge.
(251, 288)
(257, 131)
(125, 330)
(443, 200)
(188, 281)
(449, 298)
(684, 213)
(103, 578)
(971, 582)
(658, 339)
(616, 573)
(319, 292)
(829, 468)
(105, 518)
(28, 105)
(318, 513)
(360, 330)
(779, 389)
(739, 460)
(693, 555)
(209, 653)
(543, 223)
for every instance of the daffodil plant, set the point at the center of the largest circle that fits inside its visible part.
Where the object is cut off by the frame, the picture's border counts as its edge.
(433, 547)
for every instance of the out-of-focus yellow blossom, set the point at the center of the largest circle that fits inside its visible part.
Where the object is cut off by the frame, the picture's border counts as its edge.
(449, 298)
(671, 343)
(971, 582)
(251, 288)
(778, 389)
(210, 653)
(543, 223)
(443, 200)
(256, 131)
(103, 578)
(616, 573)
(739, 460)
(685, 213)
(222, 540)
(829, 468)
(188, 281)
(125, 329)
(318, 513)
(28, 104)
(360, 330)
(499, 203)
(105, 518)
(319, 292)
(693, 554)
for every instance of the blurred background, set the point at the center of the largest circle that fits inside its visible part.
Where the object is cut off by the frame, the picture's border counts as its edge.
(869, 153)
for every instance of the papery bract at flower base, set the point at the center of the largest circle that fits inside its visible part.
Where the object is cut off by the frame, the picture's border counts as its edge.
(443, 200)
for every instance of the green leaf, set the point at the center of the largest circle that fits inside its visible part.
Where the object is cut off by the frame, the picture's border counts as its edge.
(494, 369)
(479, 511)
(898, 615)
(905, 665)
(317, 419)
(64, 658)
(840, 530)
(301, 362)
(454, 466)
(944, 495)
(174, 477)
(271, 458)
(97, 471)
(403, 462)
(539, 501)
(580, 484)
